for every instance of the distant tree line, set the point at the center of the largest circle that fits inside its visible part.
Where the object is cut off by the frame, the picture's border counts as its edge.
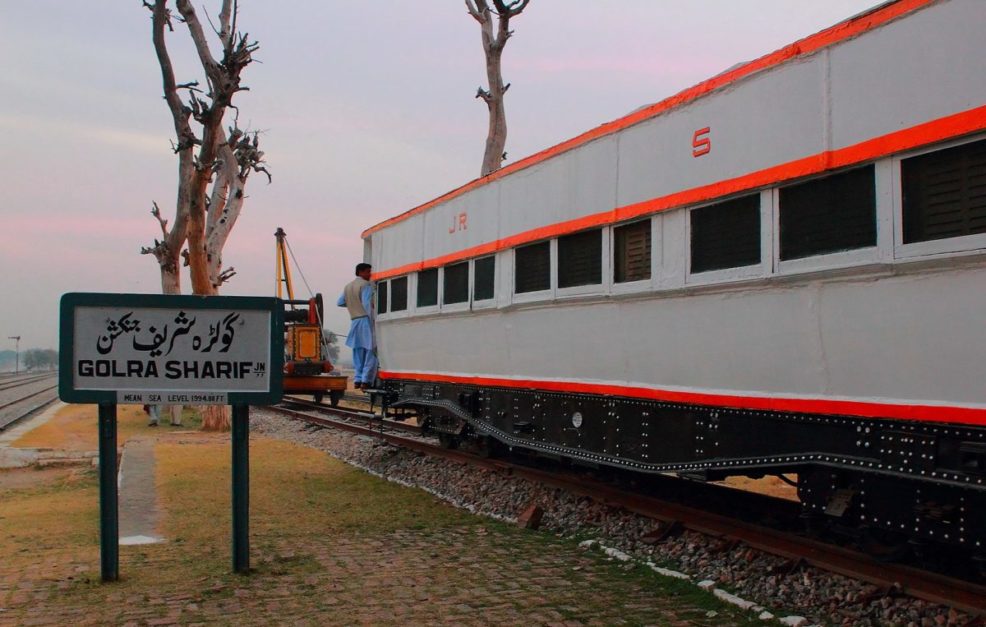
(40, 359)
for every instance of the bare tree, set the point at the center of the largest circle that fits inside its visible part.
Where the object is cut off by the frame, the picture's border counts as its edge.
(214, 161)
(493, 44)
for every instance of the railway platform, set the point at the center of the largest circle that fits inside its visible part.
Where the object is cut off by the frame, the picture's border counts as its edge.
(330, 545)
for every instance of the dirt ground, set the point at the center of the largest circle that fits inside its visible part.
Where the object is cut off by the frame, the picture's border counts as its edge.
(74, 428)
(31, 477)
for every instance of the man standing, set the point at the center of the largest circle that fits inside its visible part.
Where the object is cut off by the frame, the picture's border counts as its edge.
(357, 297)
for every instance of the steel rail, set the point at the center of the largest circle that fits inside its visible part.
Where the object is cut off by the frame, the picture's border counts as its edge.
(936, 588)
(5, 422)
(21, 382)
(351, 414)
(24, 398)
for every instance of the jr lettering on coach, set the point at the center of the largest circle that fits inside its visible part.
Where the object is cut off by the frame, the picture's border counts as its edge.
(459, 222)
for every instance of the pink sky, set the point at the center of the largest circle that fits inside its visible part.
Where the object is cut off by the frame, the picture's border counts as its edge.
(366, 109)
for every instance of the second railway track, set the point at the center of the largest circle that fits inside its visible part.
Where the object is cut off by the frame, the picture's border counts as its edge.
(25, 397)
(937, 588)
(20, 382)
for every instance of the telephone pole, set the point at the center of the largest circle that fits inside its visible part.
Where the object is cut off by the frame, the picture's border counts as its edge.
(17, 352)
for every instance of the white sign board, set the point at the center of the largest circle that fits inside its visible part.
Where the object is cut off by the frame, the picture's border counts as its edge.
(177, 354)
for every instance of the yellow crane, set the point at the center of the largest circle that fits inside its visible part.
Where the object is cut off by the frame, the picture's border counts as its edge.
(307, 369)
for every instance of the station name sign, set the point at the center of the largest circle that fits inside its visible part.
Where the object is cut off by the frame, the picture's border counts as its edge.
(148, 349)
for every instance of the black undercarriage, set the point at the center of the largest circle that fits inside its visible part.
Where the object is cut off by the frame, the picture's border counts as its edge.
(922, 481)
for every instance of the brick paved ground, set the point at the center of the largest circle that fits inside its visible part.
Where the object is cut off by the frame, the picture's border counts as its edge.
(331, 545)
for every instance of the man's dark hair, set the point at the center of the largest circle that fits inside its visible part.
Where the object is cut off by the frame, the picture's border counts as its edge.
(362, 266)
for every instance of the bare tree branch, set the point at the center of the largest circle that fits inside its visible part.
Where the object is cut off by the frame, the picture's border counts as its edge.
(478, 9)
(226, 275)
(156, 212)
(209, 64)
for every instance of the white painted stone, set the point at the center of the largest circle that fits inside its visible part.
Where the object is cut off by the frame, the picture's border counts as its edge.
(794, 621)
(668, 572)
(765, 615)
(135, 540)
(732, 599)
(616, 553)
(17, 457)
(707, 585)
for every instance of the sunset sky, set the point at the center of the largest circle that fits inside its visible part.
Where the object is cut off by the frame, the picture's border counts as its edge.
(366, 109)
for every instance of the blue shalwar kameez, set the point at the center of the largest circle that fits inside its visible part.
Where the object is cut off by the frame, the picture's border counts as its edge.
(360, 339)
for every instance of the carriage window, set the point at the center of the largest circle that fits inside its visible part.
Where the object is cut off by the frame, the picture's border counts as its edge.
(398, 294)
(456, 282)
(631, 255)
(580, 259)
(828, 215)
(945, 193)
(726, 235)
(428, 287)
(532, 268)
(382, 297)
(484, 270)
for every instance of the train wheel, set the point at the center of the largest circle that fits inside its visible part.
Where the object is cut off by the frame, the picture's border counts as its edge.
(335, 396)
(447, 440)
(489, 447)
(317, 397)
(885, 547)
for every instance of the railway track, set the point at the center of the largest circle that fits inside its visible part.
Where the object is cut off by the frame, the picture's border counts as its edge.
(8, 384)
(17, 403)
(888, 577)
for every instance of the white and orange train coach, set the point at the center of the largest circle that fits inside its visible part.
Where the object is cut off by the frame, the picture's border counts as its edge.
(779, 270)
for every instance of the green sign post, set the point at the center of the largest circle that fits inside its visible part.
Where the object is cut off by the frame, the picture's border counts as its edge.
(159, 349)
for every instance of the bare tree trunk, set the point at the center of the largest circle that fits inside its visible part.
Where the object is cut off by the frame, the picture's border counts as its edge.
(493, 44)
(204, 218)
(171, 284)
(496, 138)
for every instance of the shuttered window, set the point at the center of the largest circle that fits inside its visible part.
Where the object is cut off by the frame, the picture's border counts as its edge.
(398, 294)
(726, 235)
(828, 215)
(580, 259)
(456, 283)
(484, 271)
(945, 193)
(382, 297)
(428, 287)
(631, 254)
(532, 268)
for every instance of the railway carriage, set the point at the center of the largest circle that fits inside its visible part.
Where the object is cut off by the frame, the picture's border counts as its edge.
(781, 269)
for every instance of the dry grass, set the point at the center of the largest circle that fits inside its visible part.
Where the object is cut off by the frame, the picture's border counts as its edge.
(57, 516)
(75, 428)
(295, 491)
